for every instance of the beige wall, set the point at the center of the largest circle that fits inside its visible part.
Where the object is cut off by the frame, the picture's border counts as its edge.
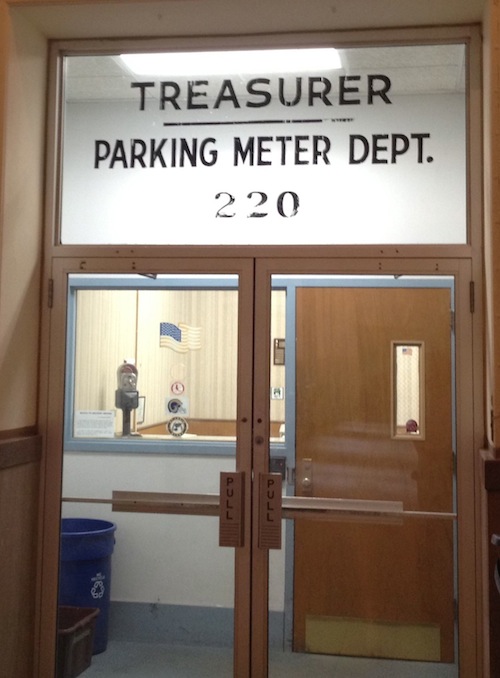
(490, 478)
(21, 222)
(22, 72)
(492, 213)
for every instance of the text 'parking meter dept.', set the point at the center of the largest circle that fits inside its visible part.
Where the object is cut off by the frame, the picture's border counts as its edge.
(127, 395)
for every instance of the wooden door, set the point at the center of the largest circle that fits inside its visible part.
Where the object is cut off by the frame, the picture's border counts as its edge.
(369, 588)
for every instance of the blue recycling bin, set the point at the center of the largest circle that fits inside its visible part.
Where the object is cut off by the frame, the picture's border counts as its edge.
(85, 570)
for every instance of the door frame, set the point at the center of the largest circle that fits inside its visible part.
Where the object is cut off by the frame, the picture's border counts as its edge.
(462, 261)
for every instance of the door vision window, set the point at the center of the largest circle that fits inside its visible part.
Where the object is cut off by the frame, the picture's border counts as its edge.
(408, 369)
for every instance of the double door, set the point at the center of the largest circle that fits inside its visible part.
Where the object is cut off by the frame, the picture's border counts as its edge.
(284, 486)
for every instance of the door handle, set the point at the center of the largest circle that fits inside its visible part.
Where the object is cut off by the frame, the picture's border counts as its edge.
(270, 500)
(305, 477)
(231, 509)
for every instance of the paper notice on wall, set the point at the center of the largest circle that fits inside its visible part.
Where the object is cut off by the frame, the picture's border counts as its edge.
(94, 424)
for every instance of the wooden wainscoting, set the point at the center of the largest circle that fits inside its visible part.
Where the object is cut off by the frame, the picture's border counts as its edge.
(19, 489)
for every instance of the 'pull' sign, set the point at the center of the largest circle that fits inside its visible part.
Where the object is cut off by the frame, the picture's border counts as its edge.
(231, 509)
(270, 511)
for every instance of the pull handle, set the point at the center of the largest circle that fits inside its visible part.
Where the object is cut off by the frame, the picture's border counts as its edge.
(231, 509)
(270, 491)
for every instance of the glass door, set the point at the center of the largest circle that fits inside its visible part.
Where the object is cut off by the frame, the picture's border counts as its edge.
(361, 372)
(276, 458)
(154, 506)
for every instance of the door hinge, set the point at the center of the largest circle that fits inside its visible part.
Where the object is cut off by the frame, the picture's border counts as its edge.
(50, 293)
(452, 321)
(472, 296)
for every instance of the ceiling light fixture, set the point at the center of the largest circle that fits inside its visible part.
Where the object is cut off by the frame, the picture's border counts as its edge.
(238, 61)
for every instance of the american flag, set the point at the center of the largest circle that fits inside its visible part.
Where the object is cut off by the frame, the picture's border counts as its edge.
(181, 338)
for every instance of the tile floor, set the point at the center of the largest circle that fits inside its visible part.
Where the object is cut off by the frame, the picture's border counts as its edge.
(147, 660)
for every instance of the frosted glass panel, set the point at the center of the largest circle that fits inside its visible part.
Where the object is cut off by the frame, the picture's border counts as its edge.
(370, 150)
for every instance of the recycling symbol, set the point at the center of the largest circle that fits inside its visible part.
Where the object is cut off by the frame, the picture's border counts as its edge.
(97, 590)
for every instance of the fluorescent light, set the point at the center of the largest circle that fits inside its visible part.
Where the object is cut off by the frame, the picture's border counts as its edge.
(239, 61)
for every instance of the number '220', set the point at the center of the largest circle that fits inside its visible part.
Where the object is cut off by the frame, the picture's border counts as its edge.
(287, 204)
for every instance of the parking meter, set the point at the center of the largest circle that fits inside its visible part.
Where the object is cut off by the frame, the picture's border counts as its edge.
(127, 395)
